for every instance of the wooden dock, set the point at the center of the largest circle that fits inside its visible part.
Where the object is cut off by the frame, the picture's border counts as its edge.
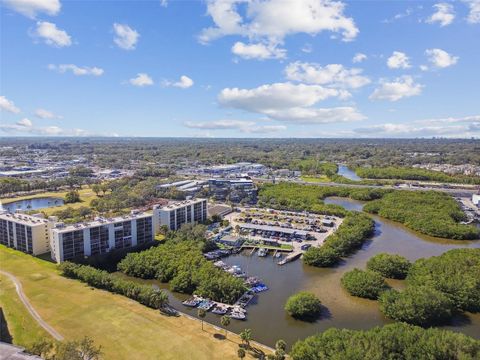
(293, 256)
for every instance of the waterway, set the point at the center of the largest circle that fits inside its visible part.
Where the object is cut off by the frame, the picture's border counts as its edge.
(33, 204)
(347, 172)
(267, 317)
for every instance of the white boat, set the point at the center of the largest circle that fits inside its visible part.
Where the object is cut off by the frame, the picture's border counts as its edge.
(262, 252)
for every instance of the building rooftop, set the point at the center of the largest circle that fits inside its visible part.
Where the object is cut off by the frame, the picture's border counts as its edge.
(60, 228)
(23, 218)
(181, 204)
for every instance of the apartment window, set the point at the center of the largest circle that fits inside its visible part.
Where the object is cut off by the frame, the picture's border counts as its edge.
(144, 230)
(72, 243)
(21, 237)
(172, 220)
(29, 240)
(98, 240)
(123, 235)
(4, 232)
(189, 213)
(181, 217)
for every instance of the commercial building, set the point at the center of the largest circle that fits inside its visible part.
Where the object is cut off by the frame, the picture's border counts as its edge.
(234, 190)
(25, 232)
(183, 212)
(100, 236)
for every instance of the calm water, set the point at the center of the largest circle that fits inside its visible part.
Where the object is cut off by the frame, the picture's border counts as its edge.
(347, 172)
(33, 204)
(266, 316)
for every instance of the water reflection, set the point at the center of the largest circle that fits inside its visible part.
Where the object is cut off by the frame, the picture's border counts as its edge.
(33, 204)
(347, 172)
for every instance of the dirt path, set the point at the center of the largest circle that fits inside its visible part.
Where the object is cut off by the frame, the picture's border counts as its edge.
(30, 308)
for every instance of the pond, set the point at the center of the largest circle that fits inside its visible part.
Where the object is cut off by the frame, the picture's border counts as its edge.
(33, 204)
(266, 315)
(347, 172)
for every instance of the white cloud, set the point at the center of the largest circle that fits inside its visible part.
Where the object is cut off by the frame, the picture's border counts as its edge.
(141, 80)
(398, 60)
(474, 13)
(164, 3)
(76, 70)
(409, 11)
(270, 21)
(45, 114)
(258, 51)
(444, 14)
(440, 58)
(289, 102)
(31, 8)
(8, 105)
(395, 90)
(184, 83)
(304, 115)
(25, 126)
(307, 48)
(334, 75)
(52, 35)
(275, 96)
(241, 125)
(446, 127)
(125, 37)
(359, 57)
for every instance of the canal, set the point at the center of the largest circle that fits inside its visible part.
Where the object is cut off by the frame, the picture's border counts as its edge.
(267, 318)
(345, 171)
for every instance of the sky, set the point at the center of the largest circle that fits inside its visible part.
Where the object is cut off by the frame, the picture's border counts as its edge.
(248, 68)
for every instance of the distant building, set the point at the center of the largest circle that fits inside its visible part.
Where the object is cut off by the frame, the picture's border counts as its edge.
(25, 232)
(234, 190)
(476, 199)
(183, 212)
(100, 236)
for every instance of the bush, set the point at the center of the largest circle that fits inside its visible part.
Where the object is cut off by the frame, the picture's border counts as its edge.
(456, 273)
(394, 341)
(389, 266)
(72, 197)
(304, 305)
(324, 256)
(418, 305)
(365, 284)
(100, 279)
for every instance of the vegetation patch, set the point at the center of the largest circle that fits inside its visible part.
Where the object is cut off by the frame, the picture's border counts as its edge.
(304, 306)
(389, 265)
(417, 305)
(395, 341)
(365, 284)
(429, 212)
(182, 264)
(350, 235)
(406, 173)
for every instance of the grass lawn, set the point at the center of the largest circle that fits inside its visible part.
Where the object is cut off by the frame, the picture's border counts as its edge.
(317, 179)
(21, 326)
(86, 196)
(124, 328)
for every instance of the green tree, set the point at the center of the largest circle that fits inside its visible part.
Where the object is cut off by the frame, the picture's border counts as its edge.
(366, 284)
(96, 188)
(201, 314)
(389, 266)
(225, 321)
(246, 336)
(418, 305)
(304, 306)
(72, 197)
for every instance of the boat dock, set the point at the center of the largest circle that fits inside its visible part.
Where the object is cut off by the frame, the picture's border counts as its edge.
(290, 257)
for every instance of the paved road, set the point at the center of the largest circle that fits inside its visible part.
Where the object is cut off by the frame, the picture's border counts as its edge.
(30, 308)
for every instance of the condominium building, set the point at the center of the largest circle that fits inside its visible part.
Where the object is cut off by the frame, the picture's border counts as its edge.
(100, 236)
(176, 214)
(26, 233)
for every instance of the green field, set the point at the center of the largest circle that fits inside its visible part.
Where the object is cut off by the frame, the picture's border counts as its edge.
(124, 328)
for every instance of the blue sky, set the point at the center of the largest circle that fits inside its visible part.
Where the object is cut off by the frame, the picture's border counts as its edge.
(251, 68)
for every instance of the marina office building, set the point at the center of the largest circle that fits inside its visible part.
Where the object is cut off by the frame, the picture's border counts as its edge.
(100, 236)
(26, 233)
(183, 212)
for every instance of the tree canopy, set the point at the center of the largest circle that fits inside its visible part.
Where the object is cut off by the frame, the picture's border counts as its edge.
(389, 265)
(365, 284)
(304, 306)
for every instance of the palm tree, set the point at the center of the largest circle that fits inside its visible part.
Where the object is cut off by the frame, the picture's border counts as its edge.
(241, 353)
(201, 314)
(225, 321)
(158, 299)
(246, 336)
